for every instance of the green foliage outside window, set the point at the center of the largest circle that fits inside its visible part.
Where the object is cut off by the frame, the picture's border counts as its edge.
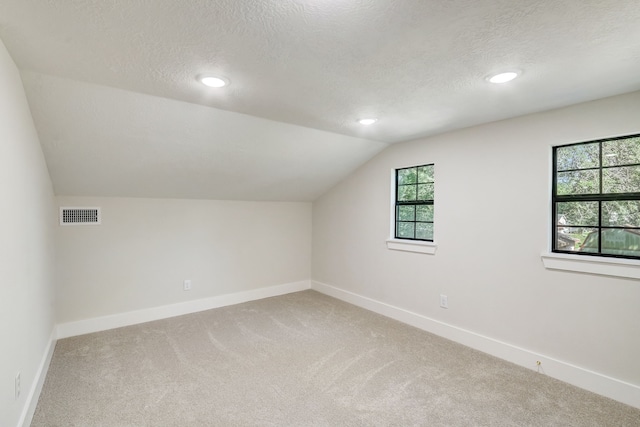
(596, 199)
(414, 202)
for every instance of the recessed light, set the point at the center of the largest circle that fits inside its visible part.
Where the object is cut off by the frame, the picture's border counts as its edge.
(503, 77)
(213, 81)
(367, 122)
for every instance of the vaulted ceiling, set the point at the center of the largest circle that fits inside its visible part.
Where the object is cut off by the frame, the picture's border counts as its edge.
(113, 90)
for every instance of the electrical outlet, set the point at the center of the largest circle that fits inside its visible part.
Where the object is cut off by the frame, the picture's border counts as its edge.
(17, 386)
(443, 301)
(187, 285)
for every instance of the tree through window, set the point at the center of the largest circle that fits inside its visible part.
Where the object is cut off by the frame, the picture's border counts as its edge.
(596, 197)
(414, 203)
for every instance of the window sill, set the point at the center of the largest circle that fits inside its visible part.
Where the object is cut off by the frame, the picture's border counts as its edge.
(412, 246)
(592, 265)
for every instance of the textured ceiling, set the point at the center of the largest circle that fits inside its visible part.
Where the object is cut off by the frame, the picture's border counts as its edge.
(417, 65)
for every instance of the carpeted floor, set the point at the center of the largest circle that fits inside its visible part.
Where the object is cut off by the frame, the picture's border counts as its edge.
(301, 359)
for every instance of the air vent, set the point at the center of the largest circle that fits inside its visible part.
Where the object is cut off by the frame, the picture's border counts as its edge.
(80, 216)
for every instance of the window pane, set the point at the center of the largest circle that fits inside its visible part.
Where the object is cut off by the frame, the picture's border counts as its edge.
(414, 203)
(607, 219)
(407, 192)
(424, 213)
(406, 213)
(621, 213)
(425, 191)
(579, 239)
(621, 242)
(589, 240)
(577, 213)
(578, 182)
(578, 156)
(624, 179)
(565, 242)
(621, 152)
(424, 230)
(407, 176)
(425, 173)
(405, 229)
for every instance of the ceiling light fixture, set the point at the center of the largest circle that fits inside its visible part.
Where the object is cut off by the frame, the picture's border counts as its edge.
(213, 81)
(367, 122)
(503, 77)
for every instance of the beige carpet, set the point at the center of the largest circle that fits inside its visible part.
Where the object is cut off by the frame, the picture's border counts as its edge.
(302, 359)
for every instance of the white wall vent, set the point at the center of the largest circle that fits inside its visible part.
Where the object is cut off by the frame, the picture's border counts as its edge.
(80, 216)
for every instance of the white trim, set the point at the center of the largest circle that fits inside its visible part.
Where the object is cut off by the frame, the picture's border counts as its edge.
(618, 267)
(605, 266)
(412, 246)
(593, 381)
(97, 324)
(392, 205)
(36, 388)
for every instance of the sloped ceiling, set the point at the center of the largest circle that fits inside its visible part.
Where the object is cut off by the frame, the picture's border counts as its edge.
(113, 91)
(101, 141)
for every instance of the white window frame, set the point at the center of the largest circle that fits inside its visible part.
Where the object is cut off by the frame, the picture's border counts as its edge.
(604, 266)
(416, 246)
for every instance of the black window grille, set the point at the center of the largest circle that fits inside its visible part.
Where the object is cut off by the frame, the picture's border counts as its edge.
(596, 198)
(414, 203)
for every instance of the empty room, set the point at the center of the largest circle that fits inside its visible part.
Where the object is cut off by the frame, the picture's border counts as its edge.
(319, 213)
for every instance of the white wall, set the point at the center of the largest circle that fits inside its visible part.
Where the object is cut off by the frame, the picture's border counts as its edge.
(492, 211)
(26, 247)
(145, 248)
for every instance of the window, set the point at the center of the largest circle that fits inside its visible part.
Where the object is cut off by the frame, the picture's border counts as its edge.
(414, 203)
(596, 198)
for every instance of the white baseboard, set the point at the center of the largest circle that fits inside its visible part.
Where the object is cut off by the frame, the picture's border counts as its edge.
(34, 392)
(97, 324)
(598, 383)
